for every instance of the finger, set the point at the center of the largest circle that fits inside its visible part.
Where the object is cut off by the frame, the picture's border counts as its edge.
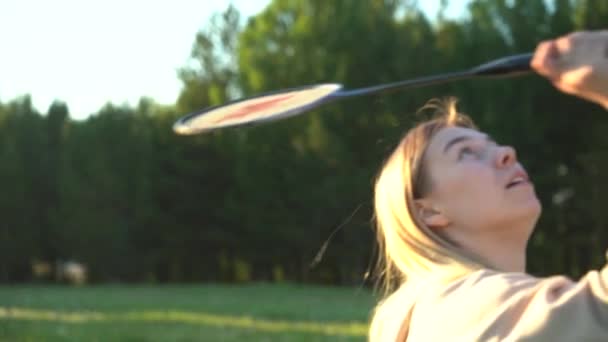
(577, 78)
(543, 59)
(565, 88)
(566, 49)
(571, 90)
(573, 81)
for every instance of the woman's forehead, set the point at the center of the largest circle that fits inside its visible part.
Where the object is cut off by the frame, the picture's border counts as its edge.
(451, 135)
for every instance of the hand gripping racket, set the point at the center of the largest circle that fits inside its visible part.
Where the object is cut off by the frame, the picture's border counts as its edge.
(289, 102)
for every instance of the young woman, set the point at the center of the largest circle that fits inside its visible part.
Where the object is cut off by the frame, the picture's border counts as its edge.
(454, 212)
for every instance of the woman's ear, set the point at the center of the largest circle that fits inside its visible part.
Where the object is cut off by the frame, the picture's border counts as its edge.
(430, 214)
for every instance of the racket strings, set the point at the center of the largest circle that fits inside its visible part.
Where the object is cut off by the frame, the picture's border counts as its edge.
(261, 108)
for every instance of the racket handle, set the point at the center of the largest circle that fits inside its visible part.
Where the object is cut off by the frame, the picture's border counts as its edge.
(506, 66)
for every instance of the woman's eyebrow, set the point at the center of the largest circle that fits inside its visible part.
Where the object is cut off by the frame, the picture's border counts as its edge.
(462, 138)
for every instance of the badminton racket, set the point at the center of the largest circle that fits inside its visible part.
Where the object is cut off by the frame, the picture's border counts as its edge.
(289, 102)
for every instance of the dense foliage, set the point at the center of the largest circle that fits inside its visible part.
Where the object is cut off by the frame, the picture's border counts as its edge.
(121, 193)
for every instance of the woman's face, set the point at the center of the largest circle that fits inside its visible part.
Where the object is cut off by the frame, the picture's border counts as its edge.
(476, 184)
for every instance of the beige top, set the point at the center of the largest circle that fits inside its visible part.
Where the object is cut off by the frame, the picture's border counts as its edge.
(493, 306)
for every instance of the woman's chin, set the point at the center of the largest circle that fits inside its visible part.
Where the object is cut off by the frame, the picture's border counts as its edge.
(532, 208)
(528, 209)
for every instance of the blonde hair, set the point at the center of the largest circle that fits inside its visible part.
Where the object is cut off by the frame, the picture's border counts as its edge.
(409, 250)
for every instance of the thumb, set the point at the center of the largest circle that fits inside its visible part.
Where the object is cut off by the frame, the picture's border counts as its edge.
(544, 60)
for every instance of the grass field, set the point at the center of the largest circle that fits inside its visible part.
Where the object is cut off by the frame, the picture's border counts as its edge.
(259, 312)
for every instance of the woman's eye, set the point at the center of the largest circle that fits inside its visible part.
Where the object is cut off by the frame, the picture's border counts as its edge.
(466, 151)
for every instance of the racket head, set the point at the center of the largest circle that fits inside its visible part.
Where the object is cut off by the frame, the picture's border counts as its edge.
(257, 110)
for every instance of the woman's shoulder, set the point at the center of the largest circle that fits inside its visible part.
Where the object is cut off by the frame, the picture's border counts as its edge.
(485, 291)
(489, 285)
(492, 283)
(474, 294)
(488, 304)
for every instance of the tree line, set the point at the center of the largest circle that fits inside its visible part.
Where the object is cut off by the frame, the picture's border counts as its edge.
(125, 196)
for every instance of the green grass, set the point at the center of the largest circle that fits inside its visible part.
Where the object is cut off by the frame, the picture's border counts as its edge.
(259, 312)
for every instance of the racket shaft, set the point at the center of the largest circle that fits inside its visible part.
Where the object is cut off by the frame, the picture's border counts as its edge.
(506, 66)
(412, 83)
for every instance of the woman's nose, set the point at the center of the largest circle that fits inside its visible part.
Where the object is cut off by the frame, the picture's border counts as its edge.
(506, 156)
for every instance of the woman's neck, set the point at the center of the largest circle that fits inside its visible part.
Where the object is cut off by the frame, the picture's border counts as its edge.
(503, 250)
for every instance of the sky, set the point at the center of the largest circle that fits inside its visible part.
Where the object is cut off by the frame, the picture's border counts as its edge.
(88, 53)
